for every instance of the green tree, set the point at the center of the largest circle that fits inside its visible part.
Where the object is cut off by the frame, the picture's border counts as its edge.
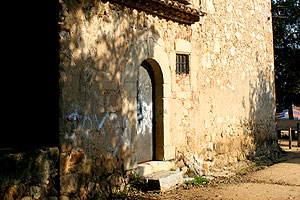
(286, 34)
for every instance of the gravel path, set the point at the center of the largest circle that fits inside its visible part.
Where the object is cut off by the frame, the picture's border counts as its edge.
(278, 181)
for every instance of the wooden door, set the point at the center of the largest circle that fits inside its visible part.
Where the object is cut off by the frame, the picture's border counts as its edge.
(144, 114)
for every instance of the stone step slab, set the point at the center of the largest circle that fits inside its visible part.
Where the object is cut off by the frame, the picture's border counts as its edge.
(151, 167)
(164, 180)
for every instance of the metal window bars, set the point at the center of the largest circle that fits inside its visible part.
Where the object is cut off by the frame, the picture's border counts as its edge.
(182, 64)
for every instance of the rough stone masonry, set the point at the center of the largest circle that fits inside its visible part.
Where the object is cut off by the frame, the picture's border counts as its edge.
(218, 114)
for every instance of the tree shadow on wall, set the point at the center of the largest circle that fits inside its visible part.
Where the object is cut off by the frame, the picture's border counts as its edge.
(260, 128)
(99, 49)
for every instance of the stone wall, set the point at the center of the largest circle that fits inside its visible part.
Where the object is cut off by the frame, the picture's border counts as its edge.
(220, 113)
(229, 110)
(99, 48)
(29, 174)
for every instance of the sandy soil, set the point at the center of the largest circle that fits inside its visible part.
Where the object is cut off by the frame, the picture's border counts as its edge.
(278, 181)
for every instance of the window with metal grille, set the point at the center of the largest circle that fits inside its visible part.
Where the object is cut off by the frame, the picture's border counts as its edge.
(182, 64)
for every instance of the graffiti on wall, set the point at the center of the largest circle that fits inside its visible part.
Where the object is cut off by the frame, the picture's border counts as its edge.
(87, 124)
(144, 101)
(144, 117)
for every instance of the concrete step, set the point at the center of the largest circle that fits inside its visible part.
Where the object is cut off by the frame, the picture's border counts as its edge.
(164, 180)
(151, 167)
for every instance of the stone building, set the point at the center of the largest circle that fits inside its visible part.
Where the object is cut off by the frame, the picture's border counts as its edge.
(185, 82)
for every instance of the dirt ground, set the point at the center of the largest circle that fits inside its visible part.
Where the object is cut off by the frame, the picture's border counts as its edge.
(277, 181)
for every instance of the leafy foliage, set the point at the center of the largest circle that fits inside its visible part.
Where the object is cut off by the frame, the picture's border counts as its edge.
(286, 33)
(197, 181)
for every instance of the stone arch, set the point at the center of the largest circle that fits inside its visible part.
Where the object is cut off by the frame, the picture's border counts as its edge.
(152, 49)
(158, 139)
(153, 52)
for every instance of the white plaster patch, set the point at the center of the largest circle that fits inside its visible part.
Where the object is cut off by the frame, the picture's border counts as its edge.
(183, 46)
(243, 76)
(205, 61)
(228, 35)
(207, 80)
(224, 60)
(229, 8)
(210, 6)
(220, 119)
(272, 66)
(206, 124)
(238, 35)
(217, 46)
(211, 146)
(232, 51)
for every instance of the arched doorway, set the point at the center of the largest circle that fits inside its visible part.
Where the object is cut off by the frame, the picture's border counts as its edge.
(145, 109)
(149, 111)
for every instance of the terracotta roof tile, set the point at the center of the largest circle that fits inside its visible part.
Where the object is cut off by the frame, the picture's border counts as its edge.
(170, 9)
